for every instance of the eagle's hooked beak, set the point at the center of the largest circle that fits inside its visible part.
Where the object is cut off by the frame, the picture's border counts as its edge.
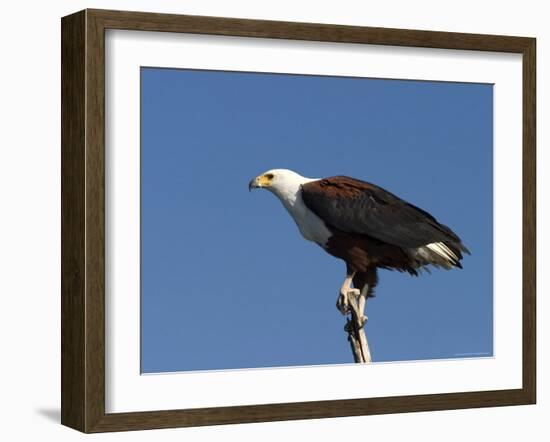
(253, 184)
(261, 181)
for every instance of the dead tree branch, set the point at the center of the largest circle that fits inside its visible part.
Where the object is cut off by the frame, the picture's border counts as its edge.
(355, 328)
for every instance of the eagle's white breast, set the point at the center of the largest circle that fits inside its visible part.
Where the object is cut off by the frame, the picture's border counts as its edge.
(288, 189)
(310, 225)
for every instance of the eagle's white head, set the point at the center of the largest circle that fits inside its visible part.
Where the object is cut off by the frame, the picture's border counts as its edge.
(283, 183)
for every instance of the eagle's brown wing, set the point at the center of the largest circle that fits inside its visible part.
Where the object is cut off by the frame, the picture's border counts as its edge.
(355, 206)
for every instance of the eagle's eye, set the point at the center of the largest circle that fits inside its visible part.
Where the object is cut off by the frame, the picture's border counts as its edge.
(269, 176)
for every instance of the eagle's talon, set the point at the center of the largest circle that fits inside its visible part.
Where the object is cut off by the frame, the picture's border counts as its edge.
(343, 301)
(342, 304)
(362, 321)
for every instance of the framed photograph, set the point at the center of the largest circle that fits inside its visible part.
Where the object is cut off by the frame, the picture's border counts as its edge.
(384, 262)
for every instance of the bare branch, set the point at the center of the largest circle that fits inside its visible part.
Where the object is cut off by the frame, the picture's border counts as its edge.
(355, 327)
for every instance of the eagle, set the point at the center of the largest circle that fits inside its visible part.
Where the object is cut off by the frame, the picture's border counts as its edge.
(365, 225)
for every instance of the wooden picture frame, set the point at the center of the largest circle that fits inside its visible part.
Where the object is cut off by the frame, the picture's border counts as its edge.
(83, 220)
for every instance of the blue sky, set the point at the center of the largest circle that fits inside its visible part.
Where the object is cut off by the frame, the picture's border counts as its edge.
(226, 279)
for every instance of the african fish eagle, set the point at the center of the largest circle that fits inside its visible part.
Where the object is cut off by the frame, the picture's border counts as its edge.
(364, 225)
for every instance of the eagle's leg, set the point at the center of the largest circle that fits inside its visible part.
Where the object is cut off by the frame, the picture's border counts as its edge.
(357, 302)
(366, 282)
(348, 295)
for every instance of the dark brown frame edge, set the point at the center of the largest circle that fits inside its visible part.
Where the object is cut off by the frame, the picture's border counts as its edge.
(83, 216)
